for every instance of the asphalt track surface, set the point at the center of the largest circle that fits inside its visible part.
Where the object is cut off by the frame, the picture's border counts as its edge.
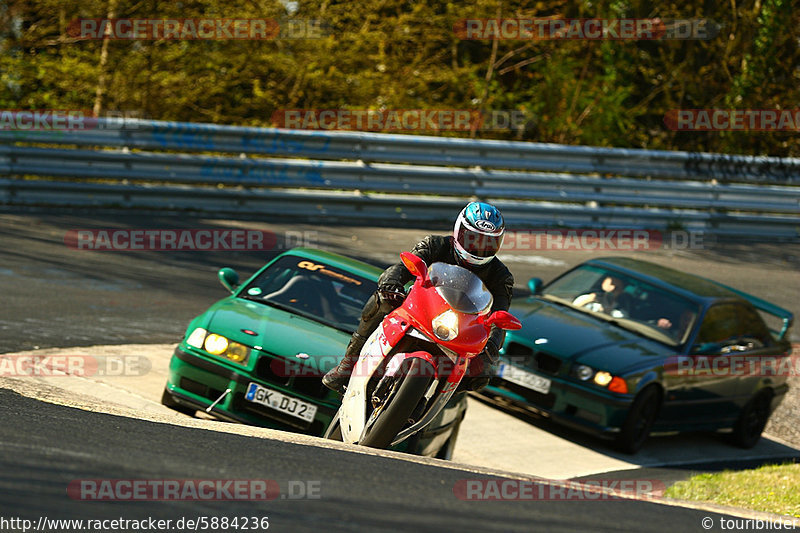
(55, 296)
(47, 446)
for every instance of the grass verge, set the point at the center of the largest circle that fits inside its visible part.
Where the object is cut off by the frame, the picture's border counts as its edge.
(770, 488)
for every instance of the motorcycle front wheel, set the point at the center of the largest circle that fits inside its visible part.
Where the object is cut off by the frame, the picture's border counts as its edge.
(399, 404)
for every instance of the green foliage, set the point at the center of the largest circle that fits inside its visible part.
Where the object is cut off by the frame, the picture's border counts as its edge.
(404, 54)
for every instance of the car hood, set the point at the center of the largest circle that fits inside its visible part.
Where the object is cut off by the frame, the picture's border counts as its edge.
(277, 332)
(577, 337)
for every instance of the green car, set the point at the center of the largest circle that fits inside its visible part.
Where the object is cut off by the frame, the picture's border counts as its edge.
(621, 348)
(258, 356)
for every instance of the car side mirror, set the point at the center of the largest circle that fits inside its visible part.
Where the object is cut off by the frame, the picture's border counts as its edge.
(503, 320)
(415, 265)
(229, 278)
(535, 285)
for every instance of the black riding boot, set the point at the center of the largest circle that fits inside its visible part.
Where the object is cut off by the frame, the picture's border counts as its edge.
(371, 316)
(336, 379)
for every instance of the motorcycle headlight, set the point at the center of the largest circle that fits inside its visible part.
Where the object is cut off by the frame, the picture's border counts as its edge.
(445, 326)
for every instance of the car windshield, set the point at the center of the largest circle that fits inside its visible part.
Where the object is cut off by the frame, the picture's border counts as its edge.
(312, 289)
(460, 288)
(626, 301)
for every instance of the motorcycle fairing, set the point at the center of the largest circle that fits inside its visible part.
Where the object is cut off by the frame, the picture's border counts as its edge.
(353, 411)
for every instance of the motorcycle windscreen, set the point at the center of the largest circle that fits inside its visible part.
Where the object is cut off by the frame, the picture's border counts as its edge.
(460, 288)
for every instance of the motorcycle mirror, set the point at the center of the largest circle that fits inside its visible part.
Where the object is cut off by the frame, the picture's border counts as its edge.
(415, 265)
(503, 320)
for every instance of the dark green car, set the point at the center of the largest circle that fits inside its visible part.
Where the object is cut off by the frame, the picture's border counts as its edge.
(258, 356)
(621, 348)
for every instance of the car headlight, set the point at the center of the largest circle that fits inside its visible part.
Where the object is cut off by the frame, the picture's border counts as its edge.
(445, 326)
(196, 338)
(237, 352)
(218, 345)
(603, 378)
(583, 372)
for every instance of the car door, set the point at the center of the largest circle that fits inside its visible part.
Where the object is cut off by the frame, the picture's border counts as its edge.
(754, 353)
(704, 391)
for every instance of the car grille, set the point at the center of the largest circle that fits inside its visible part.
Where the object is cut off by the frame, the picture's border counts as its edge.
(310, 386)
(547, 363)
(535, 360)
(282, 372)
(515, 349)
(537, 399)
(266, 367)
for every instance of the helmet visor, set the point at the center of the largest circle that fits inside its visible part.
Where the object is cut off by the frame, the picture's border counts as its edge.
(476, 243)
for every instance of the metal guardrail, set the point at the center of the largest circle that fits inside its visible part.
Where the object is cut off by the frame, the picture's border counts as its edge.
(365, 176)
(413, 149)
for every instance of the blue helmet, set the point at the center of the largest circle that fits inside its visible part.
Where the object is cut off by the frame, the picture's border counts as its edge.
(478, 233)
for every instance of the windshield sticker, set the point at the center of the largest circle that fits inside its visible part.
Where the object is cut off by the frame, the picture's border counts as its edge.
(308, 265)
(254, 291)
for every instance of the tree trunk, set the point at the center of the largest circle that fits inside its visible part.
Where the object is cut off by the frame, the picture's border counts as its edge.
(102, 78)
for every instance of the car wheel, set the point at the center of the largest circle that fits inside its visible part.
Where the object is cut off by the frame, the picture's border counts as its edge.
(168, 401)
(640, 419)
(751, 421)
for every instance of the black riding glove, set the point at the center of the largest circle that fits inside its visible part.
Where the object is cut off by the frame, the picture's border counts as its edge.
(391, 296)
(479, 374)
(490, 354)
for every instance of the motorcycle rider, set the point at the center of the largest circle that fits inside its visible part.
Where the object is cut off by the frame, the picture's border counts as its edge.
(477, 237)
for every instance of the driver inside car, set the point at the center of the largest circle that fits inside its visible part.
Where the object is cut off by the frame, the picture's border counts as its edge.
(477, 237)
(611, 299)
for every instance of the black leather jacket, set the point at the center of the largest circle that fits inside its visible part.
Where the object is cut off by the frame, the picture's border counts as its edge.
(438, 248)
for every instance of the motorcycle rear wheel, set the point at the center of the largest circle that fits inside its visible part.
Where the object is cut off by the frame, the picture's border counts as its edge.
(400, 404)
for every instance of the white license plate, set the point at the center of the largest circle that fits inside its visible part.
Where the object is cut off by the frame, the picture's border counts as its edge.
(526, 379)
(281, 402)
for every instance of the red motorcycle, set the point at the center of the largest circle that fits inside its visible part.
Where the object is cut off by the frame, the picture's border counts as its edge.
(413, 362)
